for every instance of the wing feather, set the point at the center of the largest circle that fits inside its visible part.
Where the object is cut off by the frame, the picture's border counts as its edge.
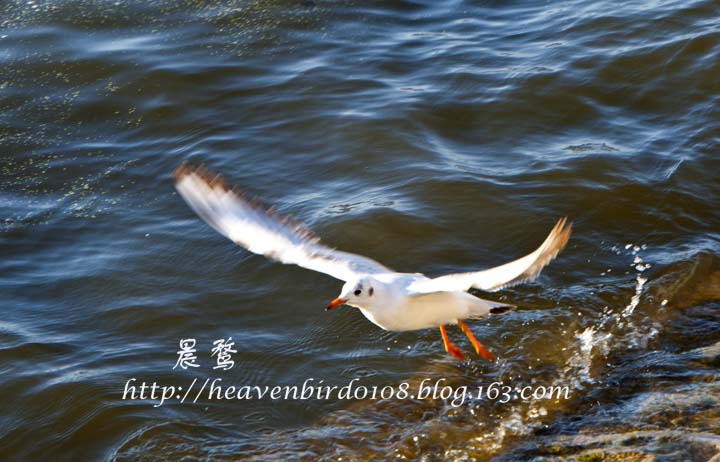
(263, 231)
(521, 270)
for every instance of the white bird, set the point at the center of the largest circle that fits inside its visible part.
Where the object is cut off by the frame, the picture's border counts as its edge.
(393, 301)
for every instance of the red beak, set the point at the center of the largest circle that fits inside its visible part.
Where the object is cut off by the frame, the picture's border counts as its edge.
(335, 303)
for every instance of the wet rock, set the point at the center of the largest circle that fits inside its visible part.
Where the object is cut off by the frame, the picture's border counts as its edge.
(690, 283)
(639, 446)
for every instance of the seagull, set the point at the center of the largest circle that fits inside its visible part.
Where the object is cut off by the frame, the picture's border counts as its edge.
(391, 300)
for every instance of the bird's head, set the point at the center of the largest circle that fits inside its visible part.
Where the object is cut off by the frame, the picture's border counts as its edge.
(361, 293)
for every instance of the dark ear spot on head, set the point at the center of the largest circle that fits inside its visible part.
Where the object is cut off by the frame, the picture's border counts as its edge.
(501, 309)
(371, 291)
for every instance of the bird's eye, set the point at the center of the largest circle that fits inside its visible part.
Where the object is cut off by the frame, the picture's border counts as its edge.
(371, 291)
(358, 292)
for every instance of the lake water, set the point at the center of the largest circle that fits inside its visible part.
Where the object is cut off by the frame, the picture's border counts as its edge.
(432, 136)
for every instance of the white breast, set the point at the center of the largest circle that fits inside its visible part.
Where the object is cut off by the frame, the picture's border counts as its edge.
(419, 312)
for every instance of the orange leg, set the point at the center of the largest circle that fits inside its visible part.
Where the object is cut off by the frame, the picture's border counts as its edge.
(450, 347)
(479, 348)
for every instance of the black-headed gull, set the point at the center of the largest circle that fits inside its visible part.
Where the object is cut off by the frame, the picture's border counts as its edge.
(394, 301)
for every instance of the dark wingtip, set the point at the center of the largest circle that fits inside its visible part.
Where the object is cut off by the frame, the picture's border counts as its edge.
(213, 180)
(183, 170)
(562, 232)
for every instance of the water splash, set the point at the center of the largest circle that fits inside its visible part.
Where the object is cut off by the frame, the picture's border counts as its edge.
(639, 266)
(621, 327)
(590, 340)
(638, 334)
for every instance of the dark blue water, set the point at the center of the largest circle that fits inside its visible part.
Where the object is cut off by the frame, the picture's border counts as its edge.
(432, 136)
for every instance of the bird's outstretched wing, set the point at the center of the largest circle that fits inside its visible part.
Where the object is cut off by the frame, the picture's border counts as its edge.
(523, 269)
(262, 230)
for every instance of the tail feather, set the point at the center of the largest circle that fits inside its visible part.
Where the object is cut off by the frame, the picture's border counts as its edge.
(481, 308)
(502, 309)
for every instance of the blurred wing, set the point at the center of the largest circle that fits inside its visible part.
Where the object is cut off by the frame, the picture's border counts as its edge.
(523, 269)
(263, 231)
